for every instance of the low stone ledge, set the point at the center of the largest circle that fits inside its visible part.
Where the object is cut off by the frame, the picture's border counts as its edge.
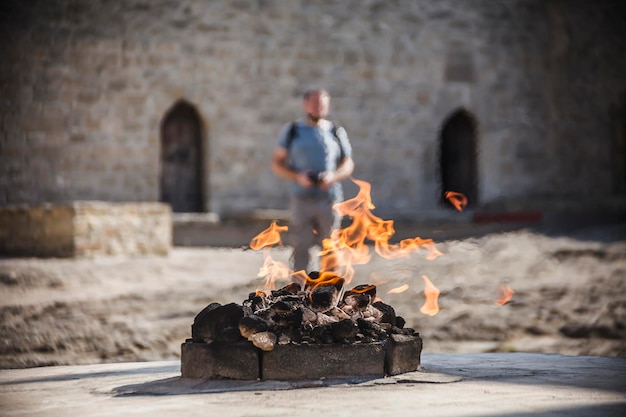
(243, 361)
(300, 362)
(220, 361)
(403, 354)
(86, 228)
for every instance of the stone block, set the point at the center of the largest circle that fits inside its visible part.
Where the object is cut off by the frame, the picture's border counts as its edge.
(403, 354)
(86, 228)
(302, 362)
(43, 230)
(220, 360)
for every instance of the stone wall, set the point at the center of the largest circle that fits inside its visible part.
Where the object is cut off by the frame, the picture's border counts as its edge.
(86, 228)
(85, 86)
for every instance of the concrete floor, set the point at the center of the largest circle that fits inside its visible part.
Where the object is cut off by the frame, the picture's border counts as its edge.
(486, 384)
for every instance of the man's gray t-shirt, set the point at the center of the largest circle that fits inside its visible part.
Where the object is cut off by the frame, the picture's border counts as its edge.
(315, 148)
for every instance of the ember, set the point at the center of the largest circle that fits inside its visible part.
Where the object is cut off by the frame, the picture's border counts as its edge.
(318, 313)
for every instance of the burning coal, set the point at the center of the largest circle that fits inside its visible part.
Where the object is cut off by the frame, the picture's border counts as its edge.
(313, 327)
(315, 308)
(318, 311)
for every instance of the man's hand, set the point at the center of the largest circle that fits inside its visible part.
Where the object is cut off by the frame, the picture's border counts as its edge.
(304, 180)
(326, 180)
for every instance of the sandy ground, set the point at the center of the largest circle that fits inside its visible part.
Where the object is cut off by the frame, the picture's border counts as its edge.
(570, 297)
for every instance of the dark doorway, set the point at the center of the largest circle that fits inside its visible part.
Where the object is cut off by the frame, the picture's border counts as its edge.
(181, 158)
(458, 157)
(618, 119)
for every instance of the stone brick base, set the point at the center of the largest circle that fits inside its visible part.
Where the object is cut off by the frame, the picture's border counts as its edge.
(243, 361)
(86, 228)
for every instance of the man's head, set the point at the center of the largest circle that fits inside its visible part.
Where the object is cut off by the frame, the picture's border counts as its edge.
(316, 104)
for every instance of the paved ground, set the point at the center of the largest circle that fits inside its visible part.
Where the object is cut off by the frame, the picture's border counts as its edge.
(487, 384)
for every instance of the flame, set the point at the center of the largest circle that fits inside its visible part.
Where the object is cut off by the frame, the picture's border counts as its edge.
(273, 271)
(347, 247)
(458, 200)
(506, 295)
(363, 289)
(325, 278)
(431, 292)
(268, 237)
(399, 289)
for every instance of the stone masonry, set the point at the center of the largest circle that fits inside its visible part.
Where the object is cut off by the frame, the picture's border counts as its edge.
(85, 85)
(86, 228)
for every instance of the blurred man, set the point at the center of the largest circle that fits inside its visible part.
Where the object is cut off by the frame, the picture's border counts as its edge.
(315, 155)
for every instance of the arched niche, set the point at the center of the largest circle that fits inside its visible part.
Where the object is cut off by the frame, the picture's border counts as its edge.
(458, 156)
(181, 173)
(618, 151)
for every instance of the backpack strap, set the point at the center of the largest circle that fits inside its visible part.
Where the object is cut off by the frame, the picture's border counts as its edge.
(291, 135)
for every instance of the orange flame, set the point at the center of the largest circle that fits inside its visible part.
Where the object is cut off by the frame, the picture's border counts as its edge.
(348, 245)
(273, 271)
(363, 289)
(430, 307)
(300, 277)
(399, 289)
(325, 278)
(268, 237)
(458, 200)
(506, 295)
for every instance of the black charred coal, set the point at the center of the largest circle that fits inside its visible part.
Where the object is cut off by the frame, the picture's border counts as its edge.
(323, 298)
(313, 315)
(202, 327)
(319, 334)
(344, 331)
(292, 334)
(404, 331)
(217, 322)
(290, 289)
(249, 325)
(281, 307)
(358, 301)
(370, 330)
(368, 289)
(255, 301)
(389, 314)
(291, 319)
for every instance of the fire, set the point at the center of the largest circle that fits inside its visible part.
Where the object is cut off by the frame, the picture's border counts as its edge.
(399, 289)
(348, 245)
(361, 289)
(273, 271)
(506, 295)
(430, 307)
(268, 237)
(458, 200)
(325, 278)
